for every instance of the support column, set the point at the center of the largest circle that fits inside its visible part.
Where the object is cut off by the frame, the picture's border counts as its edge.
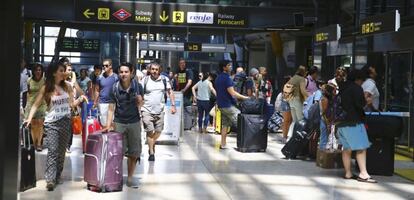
(10, 52)
(125, 48)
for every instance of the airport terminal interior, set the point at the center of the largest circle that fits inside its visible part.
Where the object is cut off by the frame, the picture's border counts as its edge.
(223, 138)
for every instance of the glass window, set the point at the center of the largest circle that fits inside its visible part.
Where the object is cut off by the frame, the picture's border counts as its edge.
(51, 31)
(50, 45)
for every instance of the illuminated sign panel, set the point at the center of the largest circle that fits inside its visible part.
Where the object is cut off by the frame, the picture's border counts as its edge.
(136, 12)
(328, 33)
(80, 45)
(192, 46)
(386, 22)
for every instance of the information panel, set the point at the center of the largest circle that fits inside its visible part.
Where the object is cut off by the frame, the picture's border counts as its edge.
(80, 45)
(387, 22)
(328, 33)
(132, 12)
(192, 46)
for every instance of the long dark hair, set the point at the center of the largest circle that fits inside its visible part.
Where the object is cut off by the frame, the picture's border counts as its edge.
(50, 81)
(205, 76)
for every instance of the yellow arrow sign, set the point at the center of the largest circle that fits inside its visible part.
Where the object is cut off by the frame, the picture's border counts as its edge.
(88, 14)
(163, 17)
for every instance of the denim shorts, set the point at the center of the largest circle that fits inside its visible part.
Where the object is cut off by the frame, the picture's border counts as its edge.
(353, 137)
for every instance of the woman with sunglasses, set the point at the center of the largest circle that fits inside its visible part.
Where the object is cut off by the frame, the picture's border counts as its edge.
(202, 97)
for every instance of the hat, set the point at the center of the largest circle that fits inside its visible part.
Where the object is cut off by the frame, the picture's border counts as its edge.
(253, 71)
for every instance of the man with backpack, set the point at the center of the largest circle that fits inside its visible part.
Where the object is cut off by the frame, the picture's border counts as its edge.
(156, 89)
(125, 101)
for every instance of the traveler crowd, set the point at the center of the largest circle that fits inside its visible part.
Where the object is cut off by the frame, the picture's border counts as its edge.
(132, 97)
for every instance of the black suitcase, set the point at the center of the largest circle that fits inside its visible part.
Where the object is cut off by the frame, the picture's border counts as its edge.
(298, 142)
(380, 157)
(252, 135)
(27, 162)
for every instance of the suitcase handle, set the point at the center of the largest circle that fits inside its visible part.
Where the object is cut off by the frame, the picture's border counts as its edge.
(25, 135)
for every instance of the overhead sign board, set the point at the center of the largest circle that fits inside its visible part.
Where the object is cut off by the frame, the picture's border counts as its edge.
(386, 22)
(328, 33)
(192, 46)
(141, 13)
(80, 45)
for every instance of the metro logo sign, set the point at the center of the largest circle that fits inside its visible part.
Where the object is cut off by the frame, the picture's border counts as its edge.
(121, 14)
(200, 18)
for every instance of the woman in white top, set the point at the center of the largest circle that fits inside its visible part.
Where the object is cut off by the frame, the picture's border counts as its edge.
(204, 89)
(57, 125)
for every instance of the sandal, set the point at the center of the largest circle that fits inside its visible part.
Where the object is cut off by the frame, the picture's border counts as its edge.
(366, 180)
(352, 177)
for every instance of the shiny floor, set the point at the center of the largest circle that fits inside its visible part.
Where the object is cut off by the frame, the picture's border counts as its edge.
(197, 169)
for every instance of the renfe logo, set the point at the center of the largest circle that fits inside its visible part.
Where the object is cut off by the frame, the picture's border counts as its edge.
(200, 18)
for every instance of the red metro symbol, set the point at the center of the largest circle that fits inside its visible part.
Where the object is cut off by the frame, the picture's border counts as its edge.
(121, 14)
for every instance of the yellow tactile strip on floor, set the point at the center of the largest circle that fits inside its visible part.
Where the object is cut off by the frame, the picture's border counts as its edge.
(399, 157)
(406, 173)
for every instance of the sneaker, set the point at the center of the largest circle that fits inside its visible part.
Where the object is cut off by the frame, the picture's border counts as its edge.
(50, 186)
(151, 157)
(68, 150)
(132, 184)
(223, 146)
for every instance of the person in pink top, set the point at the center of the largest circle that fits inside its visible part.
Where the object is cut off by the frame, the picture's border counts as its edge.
(311, 85)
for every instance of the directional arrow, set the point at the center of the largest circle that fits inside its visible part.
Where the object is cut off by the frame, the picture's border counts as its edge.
(163, 17)
(88, 14)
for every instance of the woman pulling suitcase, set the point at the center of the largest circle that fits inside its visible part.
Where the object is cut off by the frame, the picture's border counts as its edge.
(57, 94)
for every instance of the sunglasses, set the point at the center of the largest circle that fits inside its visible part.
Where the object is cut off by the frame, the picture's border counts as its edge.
(105, 65)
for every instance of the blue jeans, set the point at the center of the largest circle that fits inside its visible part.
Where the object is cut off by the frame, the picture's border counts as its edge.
(323, 138)
(203, 110)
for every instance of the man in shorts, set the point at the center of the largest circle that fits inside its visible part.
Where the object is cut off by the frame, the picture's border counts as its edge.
(156, 88)
(103, 87)
(226, 100)
(125, 101)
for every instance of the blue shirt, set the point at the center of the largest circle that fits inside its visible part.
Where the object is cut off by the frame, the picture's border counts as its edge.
(224, 99)
(105, 87)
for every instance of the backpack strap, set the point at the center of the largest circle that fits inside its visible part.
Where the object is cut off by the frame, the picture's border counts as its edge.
(115, 91)
(164, 81)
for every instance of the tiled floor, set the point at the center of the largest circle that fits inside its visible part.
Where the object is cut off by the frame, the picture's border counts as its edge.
(197, 169)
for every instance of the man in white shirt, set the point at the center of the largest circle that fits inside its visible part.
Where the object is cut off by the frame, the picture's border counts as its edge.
(371, 92)
(156, 89)
(25, 74)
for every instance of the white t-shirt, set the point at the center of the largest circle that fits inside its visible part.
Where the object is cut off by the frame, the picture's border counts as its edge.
(370, 87)
(59, 107)
(154, 100)
(24, 76)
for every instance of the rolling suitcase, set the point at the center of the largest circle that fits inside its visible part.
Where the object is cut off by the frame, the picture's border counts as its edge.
(252, 135)
(27, 162)
(189, 120)
(91, 126)
(297, 142)
(380, 157)
(103, 162)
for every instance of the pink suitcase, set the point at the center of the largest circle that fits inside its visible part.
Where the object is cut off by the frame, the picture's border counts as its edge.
(103, 162)
(91, 126)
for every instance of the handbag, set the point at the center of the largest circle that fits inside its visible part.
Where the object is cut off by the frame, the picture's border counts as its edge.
(76, 122)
